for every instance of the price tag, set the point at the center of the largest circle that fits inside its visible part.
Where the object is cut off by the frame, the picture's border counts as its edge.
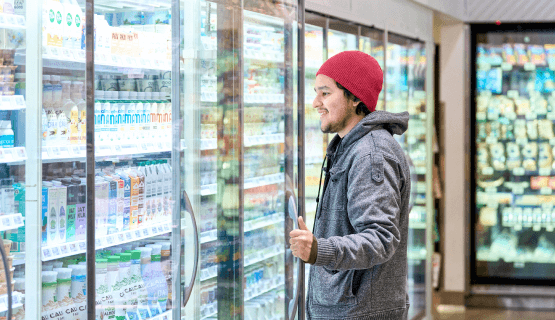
(11, 19)
(506, 66)
(546, 191)
(110, 240)
(53, 152)
(82, 246)
(73, 247)
(519, 171)
(529, 66)
(55, 251)
(160, 229)
(153, 230)
(512, 94)
(166, 227)
(160, 145)
(120, 238)
(129, 236)
(143, 147)
(98, 243)
(46, 253)
(517, 227)
(137, 234)
(64, 152)
(17, 219)
(6, 222)
(64, 250)
(146, 233)
(116, 149)
(531, 116)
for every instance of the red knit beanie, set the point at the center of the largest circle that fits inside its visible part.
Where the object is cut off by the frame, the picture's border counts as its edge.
(358, 72)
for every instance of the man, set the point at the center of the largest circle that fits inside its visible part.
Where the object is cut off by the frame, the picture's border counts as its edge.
(358, 251)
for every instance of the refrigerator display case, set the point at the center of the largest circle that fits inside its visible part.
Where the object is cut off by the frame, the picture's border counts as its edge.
(513, 114)
(404, 62)
(149, 159)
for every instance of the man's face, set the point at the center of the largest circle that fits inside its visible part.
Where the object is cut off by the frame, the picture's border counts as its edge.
(337, 113)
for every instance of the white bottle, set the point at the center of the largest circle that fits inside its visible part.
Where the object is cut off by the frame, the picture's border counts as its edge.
(105, 119)
(169, 121)
(160, 191)
(78, 282)
(133, 96)
(143, 104)
(146, 110)
(62, 210)
(6, 134)
(99, 97)
(130, 114)
(154, 125)
(114, 124)
(69, 107)
(122, 120)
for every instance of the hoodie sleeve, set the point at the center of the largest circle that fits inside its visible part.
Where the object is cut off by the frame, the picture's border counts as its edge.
(373, 207)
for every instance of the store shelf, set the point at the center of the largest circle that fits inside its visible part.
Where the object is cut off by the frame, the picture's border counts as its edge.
(417, 225)
(11, 221)
(78, 152)
(265, 287)
(212, 272)
(264, 98)
(16, 102)
(520, 171)
(12, 21)
(210, 310)
(266, 254)
(78, 247)
(211, 144)
(417, 255)
(17, 301)
(13, 156)
(73, 59)
(250, 183)
(211, 235)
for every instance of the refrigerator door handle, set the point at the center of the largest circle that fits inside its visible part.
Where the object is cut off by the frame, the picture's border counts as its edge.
(291, 212)
(189, 289)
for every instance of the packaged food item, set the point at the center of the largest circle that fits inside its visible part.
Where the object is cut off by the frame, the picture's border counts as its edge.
(509, 54)
(521, 54)
(520, 129)
(545, 129)
(545, 156)
(530, 156)
(513, 156)
(497, 152)
(537, 55)
(532, 129)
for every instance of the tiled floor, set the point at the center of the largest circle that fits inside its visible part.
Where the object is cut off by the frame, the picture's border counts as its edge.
(458, 313)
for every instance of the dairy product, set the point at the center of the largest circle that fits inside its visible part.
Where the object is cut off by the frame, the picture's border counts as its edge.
(52, 220)
(122, 296)
(62, 210)
(78, 281)
(63, 290)
(49, 290)
(81, 212)
(101, 286)
(6, 134)
(98, 124)
(69, 107)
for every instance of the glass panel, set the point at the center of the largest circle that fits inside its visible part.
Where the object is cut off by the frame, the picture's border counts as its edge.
(372, 42)
(396, 74)
(341, 37)
(14, 145)
(514, 140)
(134, 192)
(416, 148)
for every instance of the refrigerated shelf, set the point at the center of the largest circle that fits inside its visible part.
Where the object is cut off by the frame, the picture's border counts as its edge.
(11, 221)
(12, 21)
(77, 247)
(17, 301)
(269, 285)
(211, 144)
(210, 189)
(262, 222)
(74, 59)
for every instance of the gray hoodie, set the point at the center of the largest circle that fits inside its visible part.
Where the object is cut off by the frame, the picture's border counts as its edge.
(361, 225)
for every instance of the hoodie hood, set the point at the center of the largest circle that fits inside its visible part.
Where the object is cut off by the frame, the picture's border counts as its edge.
(395, 123)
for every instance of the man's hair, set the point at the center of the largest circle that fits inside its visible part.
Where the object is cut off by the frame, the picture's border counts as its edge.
(361, 107)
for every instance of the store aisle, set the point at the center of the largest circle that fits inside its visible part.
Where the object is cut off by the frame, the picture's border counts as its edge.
(447, 313)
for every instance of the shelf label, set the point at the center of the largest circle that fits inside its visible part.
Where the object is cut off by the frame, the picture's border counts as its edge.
(146, 233)
(137, 234)
(153, 230)
(143, 147)
(506, 66)
(18, 220)
(11, 19)
(98, 243)
(53, 152)
(160, 229)
(512, 94)
(67, 54)
(160, 145)
(129, 236)
(110, 240)
(121, 238)
(531, 116)
(55, 251)
(116, 149)
(73, 247)
(166, 227)
(64, 250)
(64, 152)
(82, 246)
(46, 253)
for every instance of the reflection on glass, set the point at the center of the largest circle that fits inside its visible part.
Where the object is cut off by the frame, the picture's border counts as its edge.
(339, 41)
(372, 43)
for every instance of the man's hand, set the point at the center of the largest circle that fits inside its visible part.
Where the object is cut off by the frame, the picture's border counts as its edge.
(301, 241)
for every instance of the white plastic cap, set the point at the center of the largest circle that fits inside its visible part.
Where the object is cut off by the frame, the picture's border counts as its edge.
(45, 77)
(49, 276)
(80, 269)
(141, 95)
(156, 248)
(148, 95)
(124, 95)
(63, 273)
(133, 95)
(55, 78)
(146, 252)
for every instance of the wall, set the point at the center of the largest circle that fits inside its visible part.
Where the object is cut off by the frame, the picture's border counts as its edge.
(510, 10)
(404, 17)
(455, 8)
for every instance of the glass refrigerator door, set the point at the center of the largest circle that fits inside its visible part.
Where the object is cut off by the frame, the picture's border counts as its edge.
(16, 172)
(514, 241)
(371, 41)
(247, 165)
(415, 145)
(341, 37)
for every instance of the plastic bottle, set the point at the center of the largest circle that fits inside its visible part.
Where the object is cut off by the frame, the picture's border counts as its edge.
(167, 188)
(78, 282)
(146, 274)
(141, 294)
(158, 296)
(63, 290)
(6, 134)
(99, 99)
(126, 198)
(145, 120)
(130, 120)
(166, 265)
(101, 285)
(153, 120)
(82, 107)
(69, 107)
(169, 120)
(105, 118)
(160, 191)
(137, 118)
(62, 210)
(81, 209)
(120, 198)
(49, 290)
(112, 279)
(112, 204)
(122, 118)
(123, 299)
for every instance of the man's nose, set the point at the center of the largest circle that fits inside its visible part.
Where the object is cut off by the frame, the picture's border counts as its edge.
(316, 102)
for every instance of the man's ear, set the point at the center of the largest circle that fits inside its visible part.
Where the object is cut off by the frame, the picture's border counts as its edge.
(356, 103)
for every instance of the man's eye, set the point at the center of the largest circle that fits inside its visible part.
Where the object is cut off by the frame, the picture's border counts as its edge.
(325, 93)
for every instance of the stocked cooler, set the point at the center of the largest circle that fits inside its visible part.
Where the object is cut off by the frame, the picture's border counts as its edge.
(513, 141)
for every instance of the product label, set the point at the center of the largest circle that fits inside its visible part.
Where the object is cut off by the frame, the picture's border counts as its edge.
(81, 221)
(134, 218)
(71, 217)
(44, 207)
